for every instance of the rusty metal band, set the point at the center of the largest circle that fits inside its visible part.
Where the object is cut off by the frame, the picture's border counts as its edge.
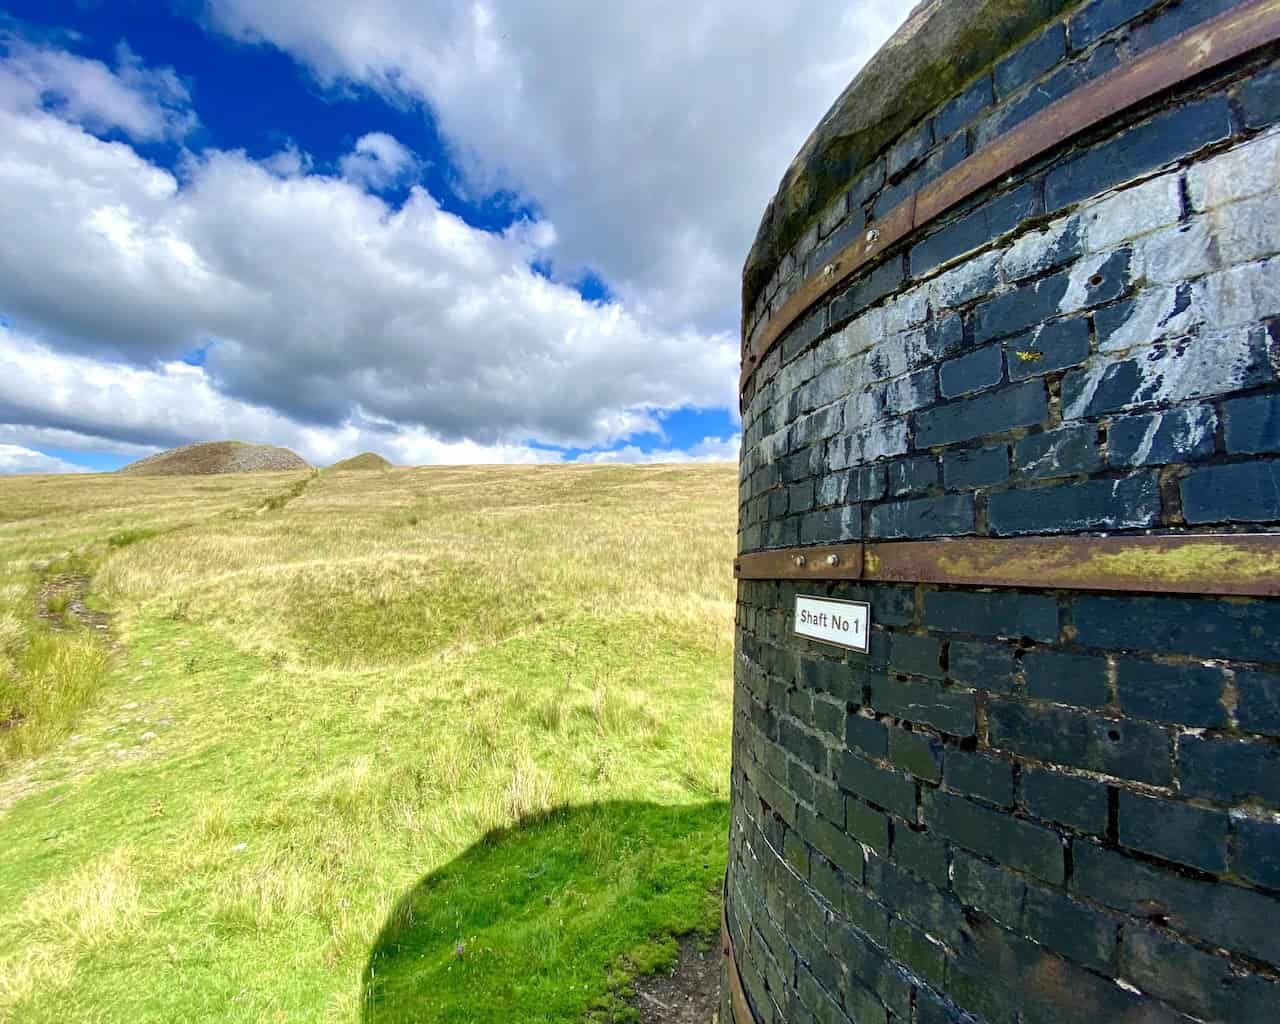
(1229, 564)
(1238, 32)
(738, 1005)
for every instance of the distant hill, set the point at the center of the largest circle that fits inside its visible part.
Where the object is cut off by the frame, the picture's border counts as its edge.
(217, 457)
(364, 461)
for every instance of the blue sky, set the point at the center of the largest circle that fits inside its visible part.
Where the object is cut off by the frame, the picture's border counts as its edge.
(449, 231)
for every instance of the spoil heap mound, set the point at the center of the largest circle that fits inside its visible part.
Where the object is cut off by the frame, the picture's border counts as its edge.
(212, 457)
(365, 461)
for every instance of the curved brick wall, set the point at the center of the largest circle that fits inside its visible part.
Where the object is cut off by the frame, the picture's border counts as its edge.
(1022, 805)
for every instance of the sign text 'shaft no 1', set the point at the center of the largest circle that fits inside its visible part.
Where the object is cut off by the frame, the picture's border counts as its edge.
(843, 623)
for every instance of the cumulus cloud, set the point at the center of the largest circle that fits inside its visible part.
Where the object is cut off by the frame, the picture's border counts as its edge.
(81, 403)
(652, 133)
(146, 104)
(313, 297)
(379, 161)
(15, 459)
(709, 449)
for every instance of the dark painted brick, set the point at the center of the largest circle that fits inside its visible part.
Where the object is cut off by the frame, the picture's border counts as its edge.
(912, 476)
(909, 149)
(796, 853)
(1101, 16)
(1002, 613)
(831, 525)
(866, 186)
(1131, 503)
(1229, 771)
(1067, 451)
(1066, 678)
(964, 108)
(974, 371)
(1056, 346)
(1209, 628)
(866, 483)
(1023, 405)
(867, 825)
(945, 516)
(1130, 750)
(1178, 435)
(832, 842)
(1258, 702)
(1175, 20)
(801, 744)
(1124, 385)
(1260, 99)
(1070, 928)
(1226, 915)
(996, 891)
(892, 791)
(1253, 425)
(1186, 694)
(1167, 137)
(920, 903)
(1197, 982)
(921, 853)
(1019, 844)
(1080, 803)
(1257, 851)
(800, 497)
(911, 947)
(933, 1009)
(1174, 831)
(884, 280)
(804, 334)
(1247, 492)
(976, 229)
(1026, 307)
(988, 778)
(916, 655)
(916, 753)
(975, 467)
(947, 709)
(1031, 61)
(981, 665)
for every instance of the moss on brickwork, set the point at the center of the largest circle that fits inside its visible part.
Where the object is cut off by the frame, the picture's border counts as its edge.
(943, 45)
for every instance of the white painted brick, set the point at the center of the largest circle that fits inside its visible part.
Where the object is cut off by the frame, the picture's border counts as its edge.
(1247, 230)
(908, 310)
(860, 334)
(1032, 252)
(1156, 315)
(967, 282)
(1251, 169)
(1240, 296)
(1132, 213)
(1177, 254)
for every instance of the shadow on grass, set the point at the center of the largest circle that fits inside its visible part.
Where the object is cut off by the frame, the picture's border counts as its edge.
(524, 925)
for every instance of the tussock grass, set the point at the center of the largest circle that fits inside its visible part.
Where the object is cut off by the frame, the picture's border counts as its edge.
(333, 747)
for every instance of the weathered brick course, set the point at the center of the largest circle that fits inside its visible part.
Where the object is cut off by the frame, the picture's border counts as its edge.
(1022, 805)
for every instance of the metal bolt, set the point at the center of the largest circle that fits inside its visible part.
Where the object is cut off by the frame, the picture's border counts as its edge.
(800, 560)
(833, 560)
(873, 236)
(828, 270)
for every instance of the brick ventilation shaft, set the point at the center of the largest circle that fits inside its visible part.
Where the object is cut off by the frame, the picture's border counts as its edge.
(1022, 805)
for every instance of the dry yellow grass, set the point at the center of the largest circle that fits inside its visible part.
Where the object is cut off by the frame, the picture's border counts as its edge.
(328, 687)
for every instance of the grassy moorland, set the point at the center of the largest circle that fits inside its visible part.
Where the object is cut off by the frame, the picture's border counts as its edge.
(429, 745)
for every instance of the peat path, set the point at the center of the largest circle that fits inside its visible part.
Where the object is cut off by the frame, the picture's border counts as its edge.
(688, 995)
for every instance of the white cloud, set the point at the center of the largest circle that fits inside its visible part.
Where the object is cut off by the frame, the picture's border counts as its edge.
(317, 298)
(709, 449)
(652, 133)
(15, 459)
(147, 104)
(379, 162)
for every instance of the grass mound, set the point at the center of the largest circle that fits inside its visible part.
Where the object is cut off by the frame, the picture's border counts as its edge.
(366, 462)
(443, 744)
(212, 457)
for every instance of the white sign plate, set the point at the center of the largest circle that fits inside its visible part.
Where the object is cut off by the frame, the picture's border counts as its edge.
(842, 623)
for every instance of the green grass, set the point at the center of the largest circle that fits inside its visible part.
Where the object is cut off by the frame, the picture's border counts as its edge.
(341, 768)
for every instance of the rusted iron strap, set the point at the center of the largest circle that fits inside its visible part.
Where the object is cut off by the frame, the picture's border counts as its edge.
(1241, 30)
(802, 563)
(741, 1009)
(1239, 564)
